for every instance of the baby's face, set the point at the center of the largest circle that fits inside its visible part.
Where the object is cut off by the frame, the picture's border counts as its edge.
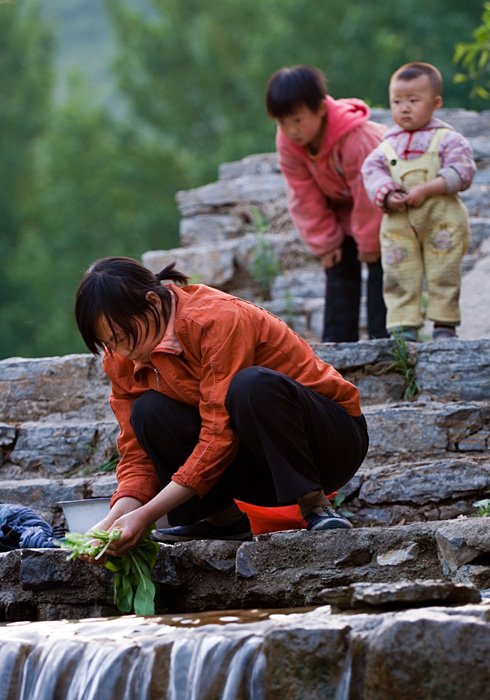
(413, 102)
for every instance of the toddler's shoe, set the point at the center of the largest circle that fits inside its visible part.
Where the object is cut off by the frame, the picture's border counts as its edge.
(442, 332)
(409, 333)
(326, 518)
(204, 530)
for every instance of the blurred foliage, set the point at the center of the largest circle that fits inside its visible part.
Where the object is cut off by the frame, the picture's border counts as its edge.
(91, 168)
(474, 58)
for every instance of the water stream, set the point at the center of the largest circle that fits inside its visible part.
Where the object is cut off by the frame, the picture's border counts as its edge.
(188, 657)
(251, 655)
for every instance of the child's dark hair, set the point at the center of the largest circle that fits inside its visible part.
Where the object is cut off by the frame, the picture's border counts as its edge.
(290, 88)
(116, 289)
(410, 71)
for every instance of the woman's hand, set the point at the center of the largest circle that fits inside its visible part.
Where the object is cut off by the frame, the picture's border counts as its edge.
(122, 507)
(132, 527)
(132, 518)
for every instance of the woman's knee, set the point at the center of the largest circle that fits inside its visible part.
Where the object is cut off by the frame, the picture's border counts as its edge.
(253, 386)
(143, 409)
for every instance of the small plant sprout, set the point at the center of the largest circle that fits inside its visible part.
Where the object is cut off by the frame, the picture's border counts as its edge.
(483, 508)
(259, 222)
(405, 366)
(264, 266)
(337, 502)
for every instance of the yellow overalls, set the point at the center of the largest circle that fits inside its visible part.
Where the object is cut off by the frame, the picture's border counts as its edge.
(429, 240)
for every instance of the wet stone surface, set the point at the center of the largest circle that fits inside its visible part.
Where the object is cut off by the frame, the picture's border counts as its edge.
(400, 594)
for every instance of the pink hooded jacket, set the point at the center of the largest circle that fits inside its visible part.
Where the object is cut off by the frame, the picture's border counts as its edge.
(326, 197)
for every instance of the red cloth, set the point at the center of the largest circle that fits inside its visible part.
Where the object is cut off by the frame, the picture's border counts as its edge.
(264, 519)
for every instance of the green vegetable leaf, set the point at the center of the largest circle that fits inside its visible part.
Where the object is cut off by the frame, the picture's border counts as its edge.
(144, 598)
(132, 584)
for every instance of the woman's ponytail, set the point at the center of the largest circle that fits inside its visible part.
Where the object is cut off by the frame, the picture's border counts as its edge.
(170, 273)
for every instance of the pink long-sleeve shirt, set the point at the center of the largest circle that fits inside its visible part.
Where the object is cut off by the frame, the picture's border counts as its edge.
(455, 155)
(326, 196)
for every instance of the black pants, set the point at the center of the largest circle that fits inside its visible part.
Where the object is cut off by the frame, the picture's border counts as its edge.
(292, 441)
(343, 298)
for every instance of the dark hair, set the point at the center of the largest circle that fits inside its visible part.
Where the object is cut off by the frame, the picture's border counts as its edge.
(116, 289)
(290, 88)
(410, 71)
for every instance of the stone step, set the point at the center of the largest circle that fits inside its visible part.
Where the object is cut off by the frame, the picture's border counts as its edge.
(280, 570)
(69, 386)
(437, 488)
(43, 389)
(228, 265)
(426, 461)
(74, 387)
(426, 429)
(432, 489)
(408, 430)
(236, 197)
(43, 495)
(57, 447)
(469, 123)
(448, 370)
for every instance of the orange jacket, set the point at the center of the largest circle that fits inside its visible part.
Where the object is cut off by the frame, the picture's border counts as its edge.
(214, 336)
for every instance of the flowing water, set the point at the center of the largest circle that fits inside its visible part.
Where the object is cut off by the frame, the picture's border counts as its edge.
(188, 657)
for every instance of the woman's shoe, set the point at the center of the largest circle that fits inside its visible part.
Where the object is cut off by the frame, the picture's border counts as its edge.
(204, 530)
(326, 518)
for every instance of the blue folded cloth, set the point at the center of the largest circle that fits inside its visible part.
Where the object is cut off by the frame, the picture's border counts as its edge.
(34, 531)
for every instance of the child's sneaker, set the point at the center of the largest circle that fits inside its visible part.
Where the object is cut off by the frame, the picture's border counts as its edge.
(442, 332)
(408, 333)
(326, 518)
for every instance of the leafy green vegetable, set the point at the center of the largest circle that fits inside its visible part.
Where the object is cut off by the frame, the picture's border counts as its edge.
(132, 584)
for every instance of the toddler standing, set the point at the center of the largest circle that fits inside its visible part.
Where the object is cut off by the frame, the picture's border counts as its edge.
(414, 176)
(322, 144)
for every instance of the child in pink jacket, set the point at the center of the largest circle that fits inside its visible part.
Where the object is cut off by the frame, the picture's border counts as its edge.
(414, 177)
(322, 144)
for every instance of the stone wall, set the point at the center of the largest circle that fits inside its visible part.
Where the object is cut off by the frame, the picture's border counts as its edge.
(281, 570)
(428, 458)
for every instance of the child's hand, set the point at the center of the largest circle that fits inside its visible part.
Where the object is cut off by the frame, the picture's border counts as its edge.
(368, 257)
(417, 196)
(331, 259)
(396, 200)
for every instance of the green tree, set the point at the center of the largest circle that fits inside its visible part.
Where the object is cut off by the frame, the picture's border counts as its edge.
(474, 58)
(100, 194)
(195, 73)
(25, 90)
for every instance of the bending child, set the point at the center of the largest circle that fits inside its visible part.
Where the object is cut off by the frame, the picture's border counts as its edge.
(322, 144)
(414, 176)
